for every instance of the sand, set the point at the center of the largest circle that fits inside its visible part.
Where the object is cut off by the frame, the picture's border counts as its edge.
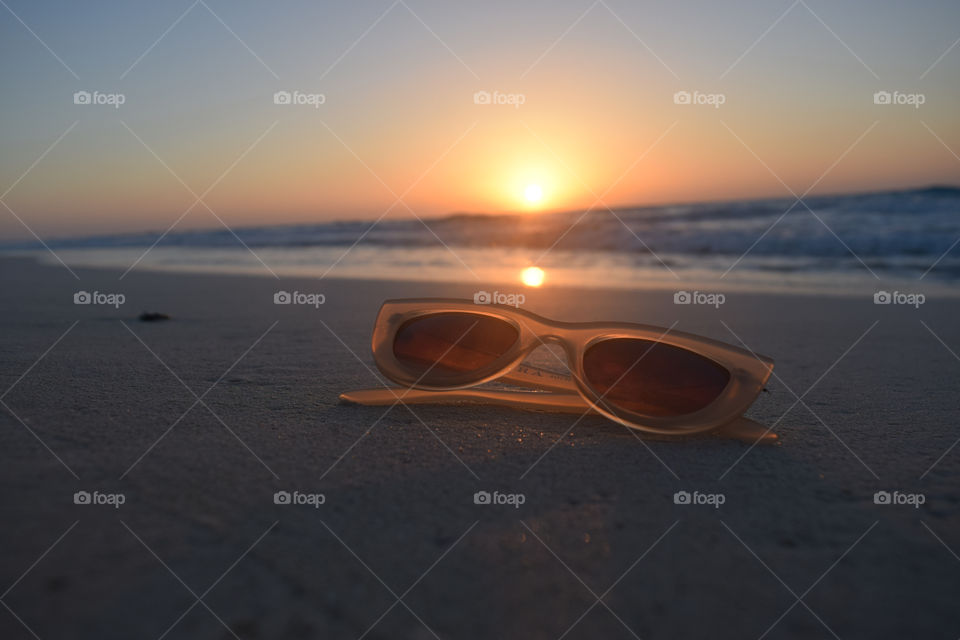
(399, 549)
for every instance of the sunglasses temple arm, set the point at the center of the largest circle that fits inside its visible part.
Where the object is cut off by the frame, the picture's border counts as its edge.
(556, 402)
(739, 428)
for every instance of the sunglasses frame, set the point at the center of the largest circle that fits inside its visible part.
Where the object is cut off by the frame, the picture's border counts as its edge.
(748, 371)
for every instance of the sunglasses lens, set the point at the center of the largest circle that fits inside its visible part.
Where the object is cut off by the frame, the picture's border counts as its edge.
(438, 345)
(653, 378)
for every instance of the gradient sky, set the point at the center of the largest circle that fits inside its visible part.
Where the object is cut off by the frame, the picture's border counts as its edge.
(400, 118)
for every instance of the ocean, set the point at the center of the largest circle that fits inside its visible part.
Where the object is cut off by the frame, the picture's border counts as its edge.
(826, 244)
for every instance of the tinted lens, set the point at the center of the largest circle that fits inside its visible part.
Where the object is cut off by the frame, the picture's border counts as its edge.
(451, 343)
(653, 378)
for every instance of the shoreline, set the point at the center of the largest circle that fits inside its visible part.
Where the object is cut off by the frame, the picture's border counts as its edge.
(855, 285)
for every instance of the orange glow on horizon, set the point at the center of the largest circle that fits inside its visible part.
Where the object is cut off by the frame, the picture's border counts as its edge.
(532, 161)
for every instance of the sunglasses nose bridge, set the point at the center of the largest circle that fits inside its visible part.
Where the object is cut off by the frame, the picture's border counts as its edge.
(549, 338)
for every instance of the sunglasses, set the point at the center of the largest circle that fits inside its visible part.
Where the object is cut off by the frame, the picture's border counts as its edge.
(647, 378)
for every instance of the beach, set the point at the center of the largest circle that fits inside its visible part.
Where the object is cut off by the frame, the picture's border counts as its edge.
(185, 430)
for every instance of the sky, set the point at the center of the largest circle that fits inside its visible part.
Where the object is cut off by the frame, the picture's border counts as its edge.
(586, 107)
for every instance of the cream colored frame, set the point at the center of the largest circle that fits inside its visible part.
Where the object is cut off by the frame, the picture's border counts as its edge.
(748, 371)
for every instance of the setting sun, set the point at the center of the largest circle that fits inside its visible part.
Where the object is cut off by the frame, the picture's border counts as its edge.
(533, 193)
(532, 276)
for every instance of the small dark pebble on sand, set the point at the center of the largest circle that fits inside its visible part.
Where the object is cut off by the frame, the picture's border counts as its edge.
(153, 316)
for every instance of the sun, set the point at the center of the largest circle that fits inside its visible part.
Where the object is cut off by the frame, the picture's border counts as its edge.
(533, 193)
(532, 276)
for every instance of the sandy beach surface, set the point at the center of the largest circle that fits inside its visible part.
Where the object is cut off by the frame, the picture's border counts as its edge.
(197, 422)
